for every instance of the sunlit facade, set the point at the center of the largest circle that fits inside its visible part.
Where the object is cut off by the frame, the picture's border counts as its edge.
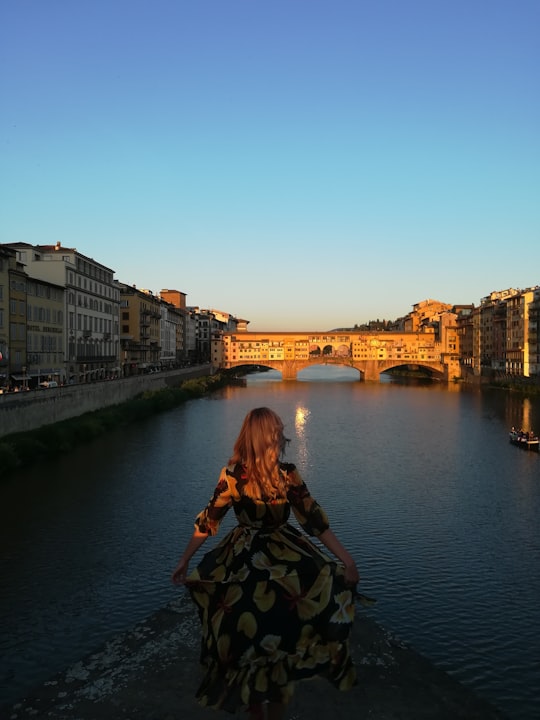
(370, 352)
(534, 334)
(140, 329)
(500, 338)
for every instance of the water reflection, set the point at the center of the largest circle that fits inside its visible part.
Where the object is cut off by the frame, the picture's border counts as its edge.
(301, 417)
(519, 411)
(527, 423)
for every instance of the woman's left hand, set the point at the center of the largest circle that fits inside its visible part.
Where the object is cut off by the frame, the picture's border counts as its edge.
(352, 576)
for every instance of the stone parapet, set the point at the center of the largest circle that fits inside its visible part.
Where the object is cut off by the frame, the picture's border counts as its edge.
(23, 411)
(151, 673)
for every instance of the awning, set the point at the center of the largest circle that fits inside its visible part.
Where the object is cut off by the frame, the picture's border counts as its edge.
(19, 377)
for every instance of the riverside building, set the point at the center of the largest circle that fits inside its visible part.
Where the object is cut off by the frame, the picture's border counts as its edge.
(499, 339)
(91, 307)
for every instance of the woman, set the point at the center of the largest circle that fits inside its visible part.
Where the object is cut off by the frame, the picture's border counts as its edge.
(274, 608)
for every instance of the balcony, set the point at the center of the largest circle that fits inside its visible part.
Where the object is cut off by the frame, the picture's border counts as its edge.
(87, 333)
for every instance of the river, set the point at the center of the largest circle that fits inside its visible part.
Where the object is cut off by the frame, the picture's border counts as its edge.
(419, 481)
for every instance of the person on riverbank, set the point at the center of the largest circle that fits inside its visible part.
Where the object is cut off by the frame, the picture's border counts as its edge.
(274, 608)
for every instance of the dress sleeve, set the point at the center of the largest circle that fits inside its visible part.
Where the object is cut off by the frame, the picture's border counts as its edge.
(306, 509)
(209, 519)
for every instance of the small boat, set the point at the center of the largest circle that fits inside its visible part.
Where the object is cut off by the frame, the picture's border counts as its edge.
(524, 439)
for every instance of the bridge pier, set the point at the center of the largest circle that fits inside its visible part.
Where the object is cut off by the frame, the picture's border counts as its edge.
(288, 370)
(371, 371)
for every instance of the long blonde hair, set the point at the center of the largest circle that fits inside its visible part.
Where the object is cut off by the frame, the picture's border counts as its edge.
(258, 448)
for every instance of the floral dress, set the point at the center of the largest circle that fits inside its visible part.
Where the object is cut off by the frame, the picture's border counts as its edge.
(274, 608)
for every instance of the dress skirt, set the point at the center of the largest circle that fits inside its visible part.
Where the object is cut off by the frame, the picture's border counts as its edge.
(274, 609)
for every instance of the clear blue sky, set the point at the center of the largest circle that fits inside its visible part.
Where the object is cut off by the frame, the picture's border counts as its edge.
(298, 163)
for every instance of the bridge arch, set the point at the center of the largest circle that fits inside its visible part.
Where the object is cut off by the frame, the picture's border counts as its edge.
(355, 376)
(365, 373)
(432, 369)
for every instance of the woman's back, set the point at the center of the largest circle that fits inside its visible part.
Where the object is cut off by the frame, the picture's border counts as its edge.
(274, 607)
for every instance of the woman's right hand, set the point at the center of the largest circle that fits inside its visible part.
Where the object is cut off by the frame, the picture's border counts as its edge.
(180, 573)
(181, 570)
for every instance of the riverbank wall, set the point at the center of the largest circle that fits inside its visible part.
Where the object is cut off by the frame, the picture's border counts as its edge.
(24, 411)
(152, 671)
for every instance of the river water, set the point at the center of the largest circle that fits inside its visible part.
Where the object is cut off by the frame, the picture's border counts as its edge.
(419, 481)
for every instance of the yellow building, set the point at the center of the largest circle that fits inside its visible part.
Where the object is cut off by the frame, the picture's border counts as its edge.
(534, 334)
(17, 324)
(140, 329)
(44, 332)
(518, 350)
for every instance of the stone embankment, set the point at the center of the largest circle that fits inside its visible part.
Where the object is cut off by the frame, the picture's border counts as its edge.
(152, 672)
(23, 411)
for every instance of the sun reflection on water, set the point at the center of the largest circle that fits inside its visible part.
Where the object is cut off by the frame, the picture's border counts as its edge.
(301, 417)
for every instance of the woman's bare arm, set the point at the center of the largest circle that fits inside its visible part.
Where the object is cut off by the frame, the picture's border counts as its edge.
(180, 572)
(330, 541)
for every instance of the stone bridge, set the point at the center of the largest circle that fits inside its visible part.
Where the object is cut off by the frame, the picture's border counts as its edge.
(371, 353)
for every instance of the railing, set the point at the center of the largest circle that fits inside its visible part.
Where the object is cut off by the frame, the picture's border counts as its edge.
(95, 359)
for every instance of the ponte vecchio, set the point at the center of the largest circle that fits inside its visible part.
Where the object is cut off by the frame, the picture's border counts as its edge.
(371, 353)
